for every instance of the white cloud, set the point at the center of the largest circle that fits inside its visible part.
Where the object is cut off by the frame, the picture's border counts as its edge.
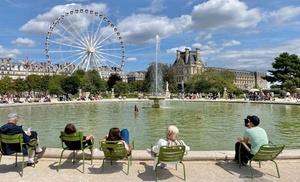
(42, 22)
(284, 15)
(173, 51)
(231, 43)
(256, 59)
(6, 53)
(131, 59)
(142, 28)
(188, 4)
(23, 42)
(196, 45)
(156, 6)
(230, 14)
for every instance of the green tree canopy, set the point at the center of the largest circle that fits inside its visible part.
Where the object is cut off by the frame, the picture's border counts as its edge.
(136, 86)
(112, 80)
(6, 85)
(34, 83)
(286, 71)
(163, 73)
(121, 88)
(92, 82)
(45, 83)
(212, 81)
(71, 84)
(20, 85)
(55, 85)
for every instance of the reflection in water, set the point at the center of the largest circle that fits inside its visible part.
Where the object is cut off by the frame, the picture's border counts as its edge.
(203, 125)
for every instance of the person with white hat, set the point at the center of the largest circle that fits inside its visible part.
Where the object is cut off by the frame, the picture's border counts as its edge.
(12, 128)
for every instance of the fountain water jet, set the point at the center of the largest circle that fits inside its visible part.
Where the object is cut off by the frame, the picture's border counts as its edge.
(158, 77)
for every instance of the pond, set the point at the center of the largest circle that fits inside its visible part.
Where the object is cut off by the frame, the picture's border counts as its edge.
(202, 125)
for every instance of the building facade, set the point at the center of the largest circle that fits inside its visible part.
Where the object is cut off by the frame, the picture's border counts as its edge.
(188, 63)
(135, 76)
(24, 68)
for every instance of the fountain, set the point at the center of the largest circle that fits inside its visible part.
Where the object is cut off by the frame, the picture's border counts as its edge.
(157, 96)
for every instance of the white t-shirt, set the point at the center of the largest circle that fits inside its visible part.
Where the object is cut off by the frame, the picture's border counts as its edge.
(163, 142)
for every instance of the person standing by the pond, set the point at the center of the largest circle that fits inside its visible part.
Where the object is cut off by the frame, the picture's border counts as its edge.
(254, 137)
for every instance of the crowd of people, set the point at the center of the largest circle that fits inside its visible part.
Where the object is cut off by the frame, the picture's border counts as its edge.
(245, 147)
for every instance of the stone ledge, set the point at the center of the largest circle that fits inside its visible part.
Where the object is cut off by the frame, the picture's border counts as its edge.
(192, 155)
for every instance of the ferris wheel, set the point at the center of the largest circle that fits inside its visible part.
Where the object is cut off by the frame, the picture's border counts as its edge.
(85, 39)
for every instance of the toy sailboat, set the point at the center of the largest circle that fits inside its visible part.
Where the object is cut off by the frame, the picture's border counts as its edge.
(136, 109)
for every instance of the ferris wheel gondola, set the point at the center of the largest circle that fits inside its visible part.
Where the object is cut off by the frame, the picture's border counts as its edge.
(85, 39)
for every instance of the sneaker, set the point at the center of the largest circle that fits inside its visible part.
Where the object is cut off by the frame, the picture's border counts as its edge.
(78, 152)
(163, 166)
(31, 163)
(41, 153)
(95, 151)
(149, 151)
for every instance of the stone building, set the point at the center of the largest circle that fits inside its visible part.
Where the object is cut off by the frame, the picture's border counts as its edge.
(24, 68)
(246, 80)
(137, 75)
(188, 63)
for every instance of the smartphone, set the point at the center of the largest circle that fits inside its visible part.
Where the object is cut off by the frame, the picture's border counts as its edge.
(246, 122)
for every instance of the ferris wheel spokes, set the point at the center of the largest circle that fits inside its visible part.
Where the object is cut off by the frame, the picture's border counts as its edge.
(79, 39)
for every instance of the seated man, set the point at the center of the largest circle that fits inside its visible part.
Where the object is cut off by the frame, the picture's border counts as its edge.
(12, 128)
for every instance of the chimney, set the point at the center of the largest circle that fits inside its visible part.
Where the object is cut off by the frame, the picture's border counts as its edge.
(187, 54)
(198, 54)
(178, 55)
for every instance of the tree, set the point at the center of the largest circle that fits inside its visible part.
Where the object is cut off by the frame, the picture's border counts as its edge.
(169, 76)
(34, 83)
(212, 81)
(163, 73)
(45, 83)
(71, 84)
(20, 85)
(286, 71)
(112, 80)
(79, 73)
(6, 85)
(121, 88)
(55, 85)
(93, 83)
(136, 86)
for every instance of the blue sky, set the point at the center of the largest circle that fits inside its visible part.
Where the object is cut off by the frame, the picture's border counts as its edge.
(236, 34)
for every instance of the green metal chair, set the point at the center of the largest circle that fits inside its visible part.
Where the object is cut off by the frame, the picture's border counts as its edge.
(76, 138)
(18, 141)
(267, 152)
(115, 150)
(170, 155)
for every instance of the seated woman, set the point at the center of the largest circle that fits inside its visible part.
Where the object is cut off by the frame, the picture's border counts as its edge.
(115, 134)
(70, 129)
(172, 133)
